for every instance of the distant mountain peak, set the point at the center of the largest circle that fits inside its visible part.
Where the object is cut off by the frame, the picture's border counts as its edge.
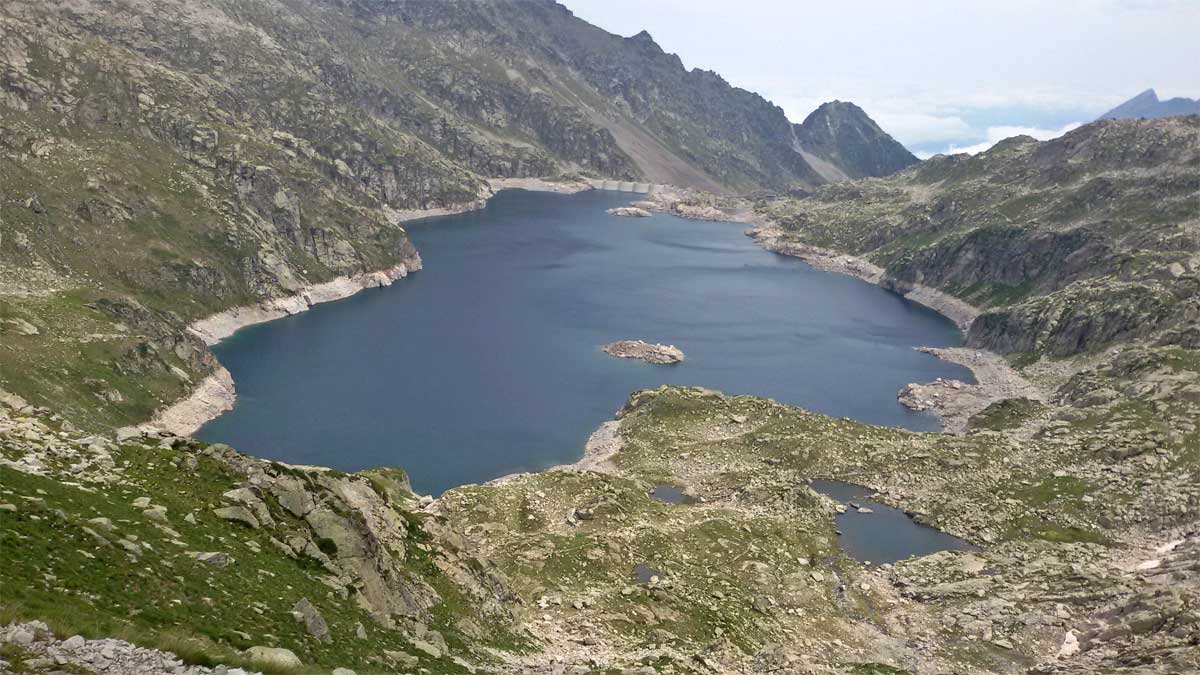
(839, 112)
(1147, 104)
(850, 143)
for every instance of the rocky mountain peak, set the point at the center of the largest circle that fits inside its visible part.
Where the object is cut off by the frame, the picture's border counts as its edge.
(645, 41)
(847, 138)
(1146, 96)
(837, 110)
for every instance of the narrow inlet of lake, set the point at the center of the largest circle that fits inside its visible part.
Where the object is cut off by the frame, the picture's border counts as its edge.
(488, 361)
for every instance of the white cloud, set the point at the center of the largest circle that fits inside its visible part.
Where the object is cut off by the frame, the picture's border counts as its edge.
(914, 128)
(932, 78)
(997, 134)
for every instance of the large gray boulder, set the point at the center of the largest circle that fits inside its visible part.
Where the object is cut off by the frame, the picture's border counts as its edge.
(273, 658)
(313, 622)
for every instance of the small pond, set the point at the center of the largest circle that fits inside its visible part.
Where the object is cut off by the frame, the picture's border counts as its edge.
(671, 495)
(882, 534)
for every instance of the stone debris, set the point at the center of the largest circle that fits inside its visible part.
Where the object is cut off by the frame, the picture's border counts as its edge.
(107, 656)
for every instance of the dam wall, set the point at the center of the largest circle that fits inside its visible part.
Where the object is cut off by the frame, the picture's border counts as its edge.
(624, 186)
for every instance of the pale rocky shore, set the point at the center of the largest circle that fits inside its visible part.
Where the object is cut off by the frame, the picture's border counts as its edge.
(213, 329)
(956, 402)
(629, 212)
(216, 393)
(645, 351)
(214, 396)
(952, 401)
(602, 445)
(774, 239)
(539, 185)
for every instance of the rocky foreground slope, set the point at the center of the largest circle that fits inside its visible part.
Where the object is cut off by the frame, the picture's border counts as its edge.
(1088, 562)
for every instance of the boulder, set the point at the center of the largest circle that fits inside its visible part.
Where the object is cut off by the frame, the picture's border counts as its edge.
(19, 326)
(331, 528)
(313, 622)
(20, 636)
(238, 514)
(431, 650)
(273, 658)
(156, 513)
(292, 496)
(216, 558)
(126, 434)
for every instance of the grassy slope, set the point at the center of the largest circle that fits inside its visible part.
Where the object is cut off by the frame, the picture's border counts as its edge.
(134, 577)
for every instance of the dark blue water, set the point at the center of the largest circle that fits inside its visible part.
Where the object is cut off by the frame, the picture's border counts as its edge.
(488, 362)
(885, 535)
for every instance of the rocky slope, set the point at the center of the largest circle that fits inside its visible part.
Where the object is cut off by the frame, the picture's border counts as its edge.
(208, 553)
(1068, 245)
(1086, 517)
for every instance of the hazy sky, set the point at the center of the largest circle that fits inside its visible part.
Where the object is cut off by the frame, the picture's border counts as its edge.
(936, 74)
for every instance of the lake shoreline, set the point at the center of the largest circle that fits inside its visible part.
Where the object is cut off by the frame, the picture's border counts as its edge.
(216, 394)
(773, 238)
(955, 403)
(995, 379)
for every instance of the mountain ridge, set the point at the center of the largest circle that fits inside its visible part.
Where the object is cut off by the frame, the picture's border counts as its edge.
(1147, 104)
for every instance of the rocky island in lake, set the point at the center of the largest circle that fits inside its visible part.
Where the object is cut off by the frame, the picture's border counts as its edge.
(645, 351)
